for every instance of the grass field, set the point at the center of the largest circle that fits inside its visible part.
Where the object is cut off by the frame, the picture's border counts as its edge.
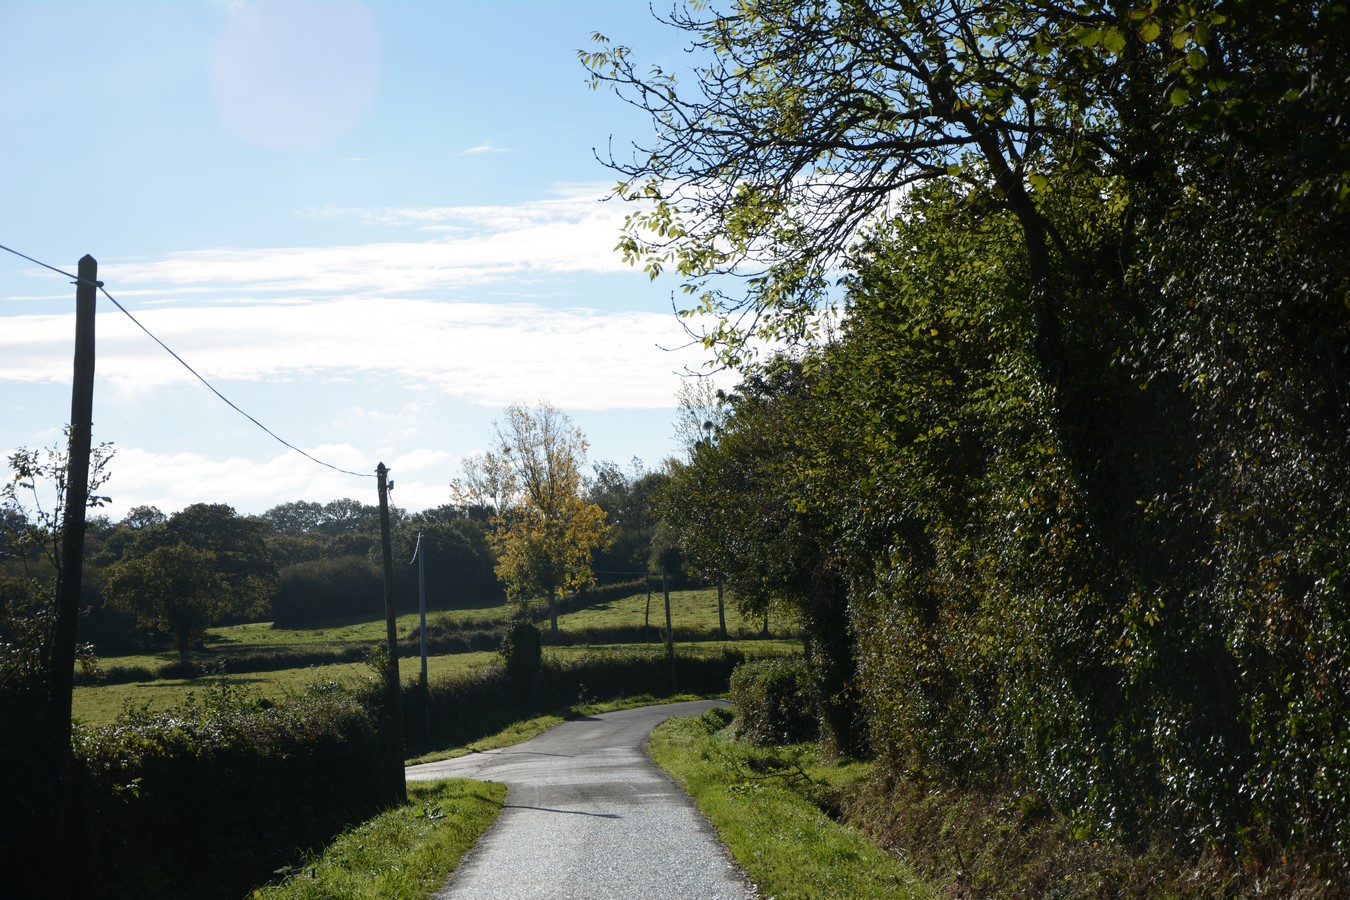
(100, 705)
(695, 610)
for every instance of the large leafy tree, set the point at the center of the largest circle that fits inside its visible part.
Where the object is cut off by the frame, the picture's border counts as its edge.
(804, 122)
(738, 509)
(236, 553)
(545, 532)
(174, 588)
(1074, 447)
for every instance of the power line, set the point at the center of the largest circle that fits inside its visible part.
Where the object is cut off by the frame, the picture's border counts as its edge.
(195, 373)
(75, 278)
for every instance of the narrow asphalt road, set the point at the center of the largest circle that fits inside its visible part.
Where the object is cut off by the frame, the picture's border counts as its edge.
(589, 817)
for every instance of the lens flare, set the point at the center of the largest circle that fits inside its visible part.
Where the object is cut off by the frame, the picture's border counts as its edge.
(296, 74)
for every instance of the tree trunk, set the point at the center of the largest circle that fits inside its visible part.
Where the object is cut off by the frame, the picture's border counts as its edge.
(647, 616)
(670, 635)
(553, 611)
(721, 613)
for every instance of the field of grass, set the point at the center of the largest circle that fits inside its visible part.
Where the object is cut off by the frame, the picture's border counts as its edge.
(695, 610)
(364, 628)
(101, 704)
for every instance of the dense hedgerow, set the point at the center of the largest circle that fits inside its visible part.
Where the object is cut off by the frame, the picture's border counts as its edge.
(775, 702)
(522, 655)
(207, 799)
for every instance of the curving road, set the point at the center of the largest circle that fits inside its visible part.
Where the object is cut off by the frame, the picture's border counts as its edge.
(588, 816)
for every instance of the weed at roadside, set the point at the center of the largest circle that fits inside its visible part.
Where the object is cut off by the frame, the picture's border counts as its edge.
(756, 801)
(410, 851)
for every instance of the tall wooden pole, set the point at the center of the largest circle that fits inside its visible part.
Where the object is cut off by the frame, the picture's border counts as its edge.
(393, 702)
(670, 633)
(422, 600)
(422, 614)
(70, 578)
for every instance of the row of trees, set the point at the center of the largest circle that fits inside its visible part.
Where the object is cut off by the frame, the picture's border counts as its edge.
(1058, 495)
(523, 519)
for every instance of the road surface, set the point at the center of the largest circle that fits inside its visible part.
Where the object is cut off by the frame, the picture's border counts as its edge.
(588, 816)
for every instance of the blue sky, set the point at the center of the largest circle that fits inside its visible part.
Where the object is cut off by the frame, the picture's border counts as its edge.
(370, 225)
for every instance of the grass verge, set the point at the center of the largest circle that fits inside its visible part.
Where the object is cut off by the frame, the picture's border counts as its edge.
(410, 851)
(766, 807)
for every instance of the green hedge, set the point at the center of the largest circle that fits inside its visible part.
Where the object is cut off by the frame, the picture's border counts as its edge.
(775, 702)
(208, 799)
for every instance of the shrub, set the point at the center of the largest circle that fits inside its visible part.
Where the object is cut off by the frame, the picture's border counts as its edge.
(207, 799)
(522, 654)
(774, 702)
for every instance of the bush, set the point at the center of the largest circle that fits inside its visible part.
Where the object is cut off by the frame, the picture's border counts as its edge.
(522, 654)
(207, 799)
(774, 702)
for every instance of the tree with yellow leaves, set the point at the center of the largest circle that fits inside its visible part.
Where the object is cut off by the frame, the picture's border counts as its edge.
(543, 532)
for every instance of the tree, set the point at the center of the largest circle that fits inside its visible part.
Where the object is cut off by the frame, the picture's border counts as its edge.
(236, 550)
(741, 508)
(31, 519)
(701, 412)
(628, 500)
(173, 588)
(701, 416)
(300, 517)
(806, 121)
(482, 486)
(139, 517)
(545, 533)
(458, 564)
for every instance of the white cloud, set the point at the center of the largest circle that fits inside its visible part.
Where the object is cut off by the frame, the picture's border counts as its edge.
(486, 354)
(573, 234)
(172, 481)
(485, 148)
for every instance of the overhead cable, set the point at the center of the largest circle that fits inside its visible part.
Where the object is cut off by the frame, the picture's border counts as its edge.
(195, 373)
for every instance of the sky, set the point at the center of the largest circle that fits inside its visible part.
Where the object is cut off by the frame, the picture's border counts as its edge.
(371, 226)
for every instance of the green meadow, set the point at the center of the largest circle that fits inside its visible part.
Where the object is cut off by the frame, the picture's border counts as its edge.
(692, 612)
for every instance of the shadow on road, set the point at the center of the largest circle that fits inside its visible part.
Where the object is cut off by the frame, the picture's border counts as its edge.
(570, 812)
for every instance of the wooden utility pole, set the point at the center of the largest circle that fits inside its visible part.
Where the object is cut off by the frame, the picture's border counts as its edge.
(393, 714)
(670, 632)
(70, 577)
(421, 554)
